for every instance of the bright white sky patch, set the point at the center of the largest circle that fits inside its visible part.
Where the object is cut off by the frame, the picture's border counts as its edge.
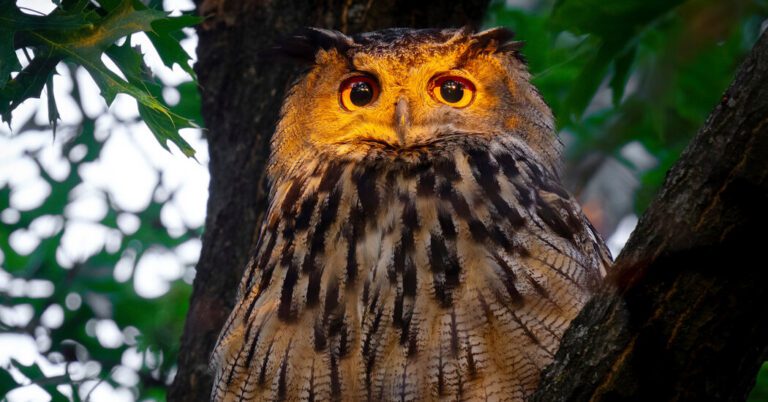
(127, 173)
(108, 334)
(620, 236)
(155, 270)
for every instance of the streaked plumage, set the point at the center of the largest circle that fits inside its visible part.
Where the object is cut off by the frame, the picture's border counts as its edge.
(411, 250)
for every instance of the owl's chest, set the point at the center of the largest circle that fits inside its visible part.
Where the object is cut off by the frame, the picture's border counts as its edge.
(452, 280)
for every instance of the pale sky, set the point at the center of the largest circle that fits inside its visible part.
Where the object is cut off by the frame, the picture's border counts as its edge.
(127, 171)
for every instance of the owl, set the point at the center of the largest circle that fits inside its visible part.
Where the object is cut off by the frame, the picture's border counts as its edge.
(418, 244)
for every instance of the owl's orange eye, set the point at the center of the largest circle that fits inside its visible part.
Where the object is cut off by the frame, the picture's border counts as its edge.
(356, 92)
(452, 90)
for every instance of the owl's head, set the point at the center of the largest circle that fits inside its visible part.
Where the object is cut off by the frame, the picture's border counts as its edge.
(402, 92)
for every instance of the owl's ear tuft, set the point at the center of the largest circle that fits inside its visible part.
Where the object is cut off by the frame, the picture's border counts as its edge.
(302, 47)
(497, 40)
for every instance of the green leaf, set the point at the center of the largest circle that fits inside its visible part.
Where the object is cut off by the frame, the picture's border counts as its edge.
(166, 129)
(189, 102)
(111, 4)
(166, 34)
(8, 60)
(53, 111)
(36, 375)
(617, 24)
(163, 123)
(590, 78)
(760, 392)
(28, 84)
(58, 20)
(609, 19)
(86, 49)
(123, 20)
(621, 67)
(6, 380)
(82, 37)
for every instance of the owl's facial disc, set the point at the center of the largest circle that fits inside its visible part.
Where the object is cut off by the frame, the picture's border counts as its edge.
(408, 93)
(413, 94)
(404, 111)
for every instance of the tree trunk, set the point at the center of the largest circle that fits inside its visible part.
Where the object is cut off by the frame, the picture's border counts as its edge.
(683, 314)
(241, 100)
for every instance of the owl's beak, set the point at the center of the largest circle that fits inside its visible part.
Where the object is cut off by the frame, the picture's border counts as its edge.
(402, 119)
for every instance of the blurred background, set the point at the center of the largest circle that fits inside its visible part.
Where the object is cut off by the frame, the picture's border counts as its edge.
(100, 226)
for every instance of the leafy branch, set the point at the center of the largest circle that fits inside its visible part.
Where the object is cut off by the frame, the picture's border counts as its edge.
(82, 32)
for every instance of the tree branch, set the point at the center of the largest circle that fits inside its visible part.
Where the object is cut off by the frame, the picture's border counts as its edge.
(682, 316)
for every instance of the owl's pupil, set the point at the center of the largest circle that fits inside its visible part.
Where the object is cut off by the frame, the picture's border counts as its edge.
(361, 93)
(452, 91)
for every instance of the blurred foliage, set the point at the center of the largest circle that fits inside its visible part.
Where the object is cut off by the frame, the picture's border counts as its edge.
(615, 73)
(87, 291)
(80, 35)
(760, 392)
(647, 71)
(82, 32)
(633, 71)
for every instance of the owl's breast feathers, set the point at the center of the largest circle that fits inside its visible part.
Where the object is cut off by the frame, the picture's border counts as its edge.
(450, 274)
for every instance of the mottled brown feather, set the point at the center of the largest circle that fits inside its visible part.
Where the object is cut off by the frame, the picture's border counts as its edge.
(445, 268)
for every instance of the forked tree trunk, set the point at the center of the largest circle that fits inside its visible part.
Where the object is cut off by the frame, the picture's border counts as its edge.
(241, 99)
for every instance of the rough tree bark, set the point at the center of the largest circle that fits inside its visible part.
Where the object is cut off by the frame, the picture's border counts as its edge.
(683, 315)
(241, 99)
